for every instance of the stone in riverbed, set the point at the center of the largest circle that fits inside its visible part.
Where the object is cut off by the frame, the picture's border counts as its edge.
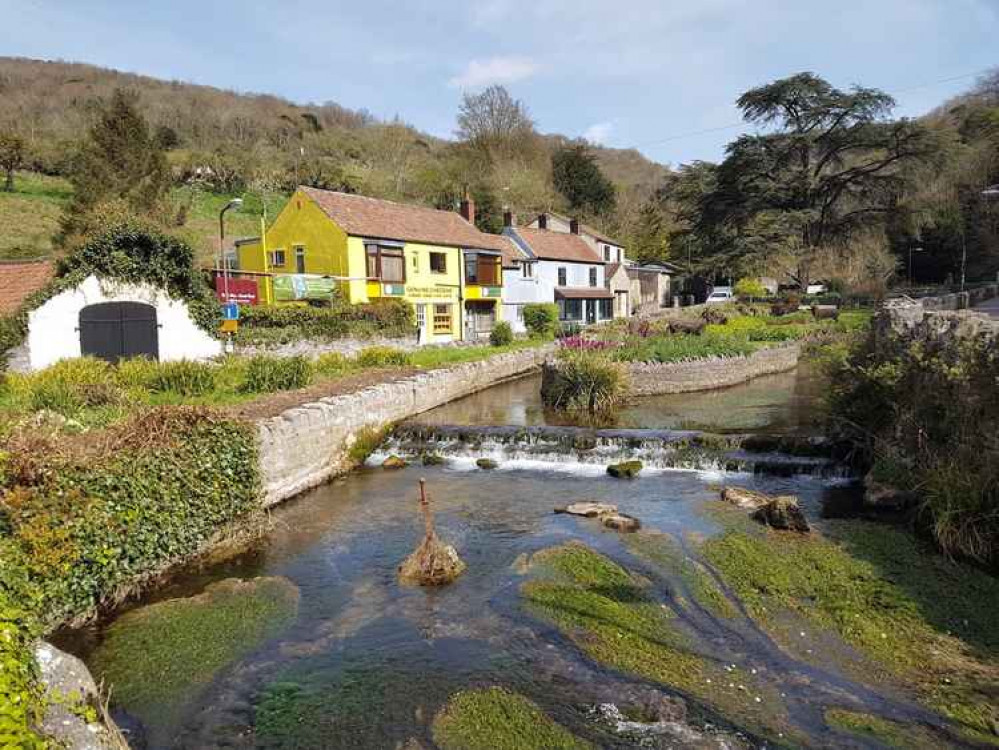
(588, 509)
(782, 513)
(625, 469)
(621, 522)
(394, 462)
(486, 463)
(432, 459)
(741, 497)
(883, 497)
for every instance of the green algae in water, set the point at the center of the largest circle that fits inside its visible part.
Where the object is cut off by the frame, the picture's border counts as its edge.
(157, 659)
(922, 620)
(890, 733)
(497, 719)
(609, 613)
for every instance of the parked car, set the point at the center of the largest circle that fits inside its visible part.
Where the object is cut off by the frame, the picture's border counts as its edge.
(816, 289)
(720, 295)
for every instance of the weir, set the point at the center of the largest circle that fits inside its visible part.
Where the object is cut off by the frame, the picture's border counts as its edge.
(783, 455)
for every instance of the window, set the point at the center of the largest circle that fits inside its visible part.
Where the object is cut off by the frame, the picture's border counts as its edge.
(570, 309)
(275, 258)
(482, 269)
(527, 270)
(299, 259)
(561, 277)
(607, 253)
(438, 262)
(416, 262)
(386, 263)
(593, 277)
(606, 309)
(442, 317)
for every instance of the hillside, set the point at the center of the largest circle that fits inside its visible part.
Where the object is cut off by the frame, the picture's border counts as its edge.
(260, 146)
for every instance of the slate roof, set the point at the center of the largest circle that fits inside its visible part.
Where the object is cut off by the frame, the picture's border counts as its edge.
(586, 229)
(548, 245)
(361, 216)
(18, 279)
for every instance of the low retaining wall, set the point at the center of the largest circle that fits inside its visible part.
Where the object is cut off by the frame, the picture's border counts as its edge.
(705, 374)
(305, 446)
(960, 300)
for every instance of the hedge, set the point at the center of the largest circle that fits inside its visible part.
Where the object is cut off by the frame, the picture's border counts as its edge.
(389, 317)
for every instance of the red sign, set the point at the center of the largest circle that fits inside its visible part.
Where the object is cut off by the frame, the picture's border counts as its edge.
(243, 291)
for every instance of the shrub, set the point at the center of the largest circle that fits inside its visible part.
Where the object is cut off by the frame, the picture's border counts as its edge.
(72, 384)
(583, 381)
(332, 364)
(266, 374)
(183, 377)
(501, 335)
(388, 317)
(382, 356)
(136, 372)
(541, 319)
(749, 289)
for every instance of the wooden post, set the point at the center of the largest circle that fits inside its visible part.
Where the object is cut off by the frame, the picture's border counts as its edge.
(428, 521)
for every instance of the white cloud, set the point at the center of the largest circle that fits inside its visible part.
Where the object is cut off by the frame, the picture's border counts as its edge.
(480, 73)
(599, 132)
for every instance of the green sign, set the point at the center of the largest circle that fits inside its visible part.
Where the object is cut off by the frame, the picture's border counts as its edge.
(291, 287)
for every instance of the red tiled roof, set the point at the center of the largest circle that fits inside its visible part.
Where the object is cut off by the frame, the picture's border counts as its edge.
(549, 245)
(18, 279)
(361, 216)
(586, 229)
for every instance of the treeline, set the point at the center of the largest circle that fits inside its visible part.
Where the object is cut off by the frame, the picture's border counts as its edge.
(230, 143)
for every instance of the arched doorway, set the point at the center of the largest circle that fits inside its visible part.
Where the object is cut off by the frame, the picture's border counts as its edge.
(118, 330)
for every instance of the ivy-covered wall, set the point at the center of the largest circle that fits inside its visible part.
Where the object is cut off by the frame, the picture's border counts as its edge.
(85, 519)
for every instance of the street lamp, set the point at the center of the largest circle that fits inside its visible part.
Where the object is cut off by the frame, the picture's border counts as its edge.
(234, 203)
(911, 251)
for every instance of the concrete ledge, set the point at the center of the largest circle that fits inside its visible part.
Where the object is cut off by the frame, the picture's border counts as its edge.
(707, 374)
(303, 447)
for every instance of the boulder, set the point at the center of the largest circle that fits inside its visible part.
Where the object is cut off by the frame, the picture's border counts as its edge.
(394, 462)
(432, 459)
(825, 312)
(486, 463)
(882, 497)
(741, 497)
(625, 469)
(621, 522)
(433, 563)
(588, 509)
(782, 513)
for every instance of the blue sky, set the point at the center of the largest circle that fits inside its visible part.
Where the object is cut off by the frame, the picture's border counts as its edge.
(628, 73)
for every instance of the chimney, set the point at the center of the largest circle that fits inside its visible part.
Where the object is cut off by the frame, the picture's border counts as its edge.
(467, 209)
(543, 221)
(574, 226)
(508, 218)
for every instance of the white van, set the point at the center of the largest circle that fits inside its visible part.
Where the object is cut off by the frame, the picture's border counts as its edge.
(719, 295)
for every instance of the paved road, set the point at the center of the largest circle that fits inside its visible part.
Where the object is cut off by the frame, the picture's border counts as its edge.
(989, 306)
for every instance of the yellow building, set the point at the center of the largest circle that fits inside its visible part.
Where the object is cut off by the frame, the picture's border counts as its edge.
(438, 261)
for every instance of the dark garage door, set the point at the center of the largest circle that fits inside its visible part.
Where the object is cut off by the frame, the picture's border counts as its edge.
(118, 330)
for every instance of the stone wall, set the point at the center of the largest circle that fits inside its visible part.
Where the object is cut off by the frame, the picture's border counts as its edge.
(960, 300)
(939, 316)
(715, 372)
(305, 446)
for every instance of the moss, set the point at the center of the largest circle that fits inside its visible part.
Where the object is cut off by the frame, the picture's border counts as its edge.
(890, 733)
(497, 719)
(366, 441)
(432, 459)
(487, 463)
(919, 618)
(610, 614)
(156, 659)
(625, 469)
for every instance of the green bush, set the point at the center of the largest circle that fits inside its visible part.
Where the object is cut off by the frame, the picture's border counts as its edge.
(332, 364)
(585, 381)
(183, 377)
(21, 699)
(749, 289)
(137, 372)
(382, 356)
(541, 319)
(501, 335)
(267, 374)
(72, 384)
(388, 317)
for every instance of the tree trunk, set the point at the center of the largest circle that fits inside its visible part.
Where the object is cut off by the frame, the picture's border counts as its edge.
(8, 184)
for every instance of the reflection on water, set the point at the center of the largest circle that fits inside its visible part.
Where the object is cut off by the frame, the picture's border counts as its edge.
(782, 403)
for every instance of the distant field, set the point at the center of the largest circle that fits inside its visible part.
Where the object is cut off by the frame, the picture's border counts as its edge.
(29, 216)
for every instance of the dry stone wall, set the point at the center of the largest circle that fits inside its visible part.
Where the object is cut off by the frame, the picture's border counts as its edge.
(715, 372)
(305, 446)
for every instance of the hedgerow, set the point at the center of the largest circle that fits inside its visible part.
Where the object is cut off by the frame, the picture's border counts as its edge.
(392, 318)
(85, 520)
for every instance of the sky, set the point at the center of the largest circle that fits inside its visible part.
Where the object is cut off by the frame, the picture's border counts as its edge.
(658, 75)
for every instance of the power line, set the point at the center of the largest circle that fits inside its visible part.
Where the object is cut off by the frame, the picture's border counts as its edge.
(720, 128)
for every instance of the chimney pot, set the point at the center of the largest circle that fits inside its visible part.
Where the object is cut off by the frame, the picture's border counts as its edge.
(467, 209)
(508, 219)
(574, 226)
(543, 221)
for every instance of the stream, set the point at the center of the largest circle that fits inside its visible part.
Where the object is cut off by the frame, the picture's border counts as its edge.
(367, 663)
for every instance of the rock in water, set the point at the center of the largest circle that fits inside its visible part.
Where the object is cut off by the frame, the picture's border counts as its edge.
(589, 510)
(394, 462)
(621, 522)
(783, 513)
(433, 563)
(741, 497)
(883, 497)
(625, 469)
(486, 463)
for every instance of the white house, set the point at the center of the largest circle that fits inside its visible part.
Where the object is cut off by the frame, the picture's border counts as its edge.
(112, 320)
(559, 267)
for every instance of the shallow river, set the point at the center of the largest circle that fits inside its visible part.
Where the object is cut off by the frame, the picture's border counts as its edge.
(378, 659)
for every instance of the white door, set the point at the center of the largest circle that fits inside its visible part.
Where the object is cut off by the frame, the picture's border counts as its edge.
(421, 323)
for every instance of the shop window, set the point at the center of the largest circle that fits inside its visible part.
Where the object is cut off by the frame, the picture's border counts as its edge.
(442, 319)
(562, 274)
(386, 264)
(276, 258)
(593, 277)
(438, 262)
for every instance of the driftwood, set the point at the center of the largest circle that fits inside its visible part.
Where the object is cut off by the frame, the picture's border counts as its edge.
(432, 563)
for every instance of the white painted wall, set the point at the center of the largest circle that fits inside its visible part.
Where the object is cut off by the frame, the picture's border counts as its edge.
(53, 328)
(576, 274)
(519, 291)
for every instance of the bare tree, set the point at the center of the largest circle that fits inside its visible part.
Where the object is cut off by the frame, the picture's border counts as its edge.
(494, 121)
(11, 157)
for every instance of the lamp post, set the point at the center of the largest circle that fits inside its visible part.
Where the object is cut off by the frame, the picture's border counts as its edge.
(234, 203)
(911, 251)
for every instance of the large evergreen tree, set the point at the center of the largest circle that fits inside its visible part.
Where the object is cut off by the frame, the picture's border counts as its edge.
(577, 177)
(121, 162)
